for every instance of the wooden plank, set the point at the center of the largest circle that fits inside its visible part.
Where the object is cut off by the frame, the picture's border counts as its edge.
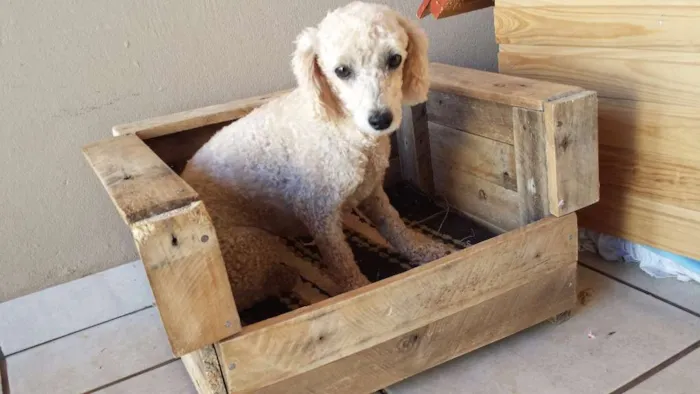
(64, 309)
(481, 157)
(299, 341)
(483, 118)
(187, 120)
(634, 217)
(581, 3)
(414, 148)
(531, 164)
(662, 178)
(186, 271)
(92, 358)
(651, 128)
(489, 203)
(610, 26)
(613, 73)
(138, 182)
(171, 378)
(498, 88)
(443, 340)
(205, 370)
(571, 125)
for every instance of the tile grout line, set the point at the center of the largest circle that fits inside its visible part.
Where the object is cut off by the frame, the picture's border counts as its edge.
(658, 368)
(647, 292)
(133, 375)
(4, 376)
(77, 331)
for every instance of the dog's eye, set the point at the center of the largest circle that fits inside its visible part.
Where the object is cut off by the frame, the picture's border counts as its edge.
(343, 72)
(394, 61)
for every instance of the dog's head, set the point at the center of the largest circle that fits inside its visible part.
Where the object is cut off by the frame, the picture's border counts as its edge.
(363, 61)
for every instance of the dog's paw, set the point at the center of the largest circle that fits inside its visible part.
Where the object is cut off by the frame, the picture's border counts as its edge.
(428, 250)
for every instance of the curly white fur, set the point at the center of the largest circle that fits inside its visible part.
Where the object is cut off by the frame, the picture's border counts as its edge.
(302, 160)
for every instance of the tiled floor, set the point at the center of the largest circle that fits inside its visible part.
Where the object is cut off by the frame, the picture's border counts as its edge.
(631, 334)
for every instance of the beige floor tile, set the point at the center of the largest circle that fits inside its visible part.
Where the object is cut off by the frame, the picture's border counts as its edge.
(617, 335)
(681, 377)
(685, 294)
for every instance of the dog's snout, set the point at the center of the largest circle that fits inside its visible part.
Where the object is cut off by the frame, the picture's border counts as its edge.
(380, 120)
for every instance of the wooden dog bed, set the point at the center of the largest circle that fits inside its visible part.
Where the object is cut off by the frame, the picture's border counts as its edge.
(493, 162)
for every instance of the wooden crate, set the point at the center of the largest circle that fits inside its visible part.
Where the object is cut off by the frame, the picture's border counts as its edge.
(517, 155)
(642, 59)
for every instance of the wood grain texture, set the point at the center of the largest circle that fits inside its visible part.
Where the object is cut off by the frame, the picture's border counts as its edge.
(483, 118)
(662, 178)
(138, 182)
(180, 251)
(634, 217)
(188, 120)
(612, 73)
(414, 148)
(531, 164)
(650, 128)
(494, 87)
(604, 3)
(442, 340)
(571, 126)
(604, 26)
(205, 370)
(299, 341)
(481, 157)
(490, 204)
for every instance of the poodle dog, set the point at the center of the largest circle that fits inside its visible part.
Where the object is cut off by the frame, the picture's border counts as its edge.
(303, 160)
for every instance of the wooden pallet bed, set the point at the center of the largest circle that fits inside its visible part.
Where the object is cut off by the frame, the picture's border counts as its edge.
(495, 165)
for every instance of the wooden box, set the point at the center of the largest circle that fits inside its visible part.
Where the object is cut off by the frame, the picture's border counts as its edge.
(517, 156)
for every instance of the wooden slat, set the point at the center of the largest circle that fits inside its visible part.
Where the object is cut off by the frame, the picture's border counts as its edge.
(491, 204)
(414, 148)
(91, 358)
(498, 88)
(581, 3)
(531, 164)
(613, 73)
(205, 370)
(484, 158)
(64, 309)
(438, 342)
(650, 128)
(180, 251)
(571, 126)
(138, 182)
(661, 178)
(609, 26)
(487, 119)
(631, 216)
(187, 120)
(297, 342)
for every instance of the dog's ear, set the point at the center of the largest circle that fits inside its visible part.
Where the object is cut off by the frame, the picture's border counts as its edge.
(416, 79)
(311, 79)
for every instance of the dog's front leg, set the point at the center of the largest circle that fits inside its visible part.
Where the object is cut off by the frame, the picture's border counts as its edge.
(336, 253)
(410, 243)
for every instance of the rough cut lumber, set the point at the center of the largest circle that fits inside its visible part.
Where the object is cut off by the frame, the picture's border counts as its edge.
(483, 118)
(484, 158)
(582, 3)
(414, 148)
(613, 73)
(289, 345)
(571, 126)
(444, 8)
(176, 241)
(531, 164)
(661, 28)
(188, 120)
(442, 340)
(497, 88)
(632, 216)
(205, 370)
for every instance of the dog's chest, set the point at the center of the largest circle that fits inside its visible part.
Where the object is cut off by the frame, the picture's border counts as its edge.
(377, 161)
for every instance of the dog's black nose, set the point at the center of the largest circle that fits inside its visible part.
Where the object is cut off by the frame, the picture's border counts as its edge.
(381, 120)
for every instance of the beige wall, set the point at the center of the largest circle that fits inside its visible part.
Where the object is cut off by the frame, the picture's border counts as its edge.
(70, 70)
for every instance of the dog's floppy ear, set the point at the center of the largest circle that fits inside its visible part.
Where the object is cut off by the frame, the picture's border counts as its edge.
(416, 79)
(311, 79)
